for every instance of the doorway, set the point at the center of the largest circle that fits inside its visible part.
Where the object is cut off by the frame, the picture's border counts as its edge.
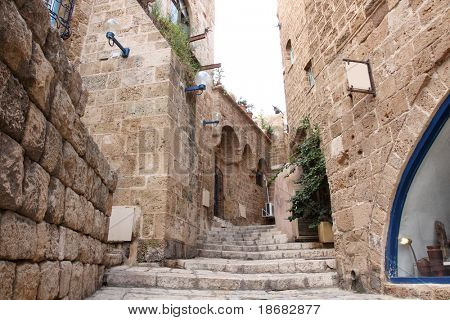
(218, 194)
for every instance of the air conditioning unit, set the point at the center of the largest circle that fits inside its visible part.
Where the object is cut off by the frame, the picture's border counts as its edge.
(268, 211)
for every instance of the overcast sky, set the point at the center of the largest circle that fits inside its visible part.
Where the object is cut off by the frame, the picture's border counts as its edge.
(247, 44)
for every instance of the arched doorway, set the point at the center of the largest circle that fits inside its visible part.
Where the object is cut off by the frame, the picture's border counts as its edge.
(418, 238)
(218, 194)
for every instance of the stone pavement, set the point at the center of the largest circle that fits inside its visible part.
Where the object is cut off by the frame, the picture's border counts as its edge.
(115, 293)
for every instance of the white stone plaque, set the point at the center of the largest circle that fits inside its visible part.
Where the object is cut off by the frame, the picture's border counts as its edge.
(242, 211)
(205, 198)
(121, 224)
(359, 76)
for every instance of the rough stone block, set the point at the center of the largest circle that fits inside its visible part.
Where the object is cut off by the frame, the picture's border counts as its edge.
(34, 136)
(80, 177)
(11, 173)
(35, 191)
(73, 210)
(18, 239)
(47, 242)
(14, 104)
(90, 183)
(70, 164)
(35, 13)
(89, 279)
(73, 84)
(62, 113)
(27, 281)
(56, 200)
(85, 254)
(64, 279)
(99, 225)
(52, 154)
(49, 284)
(15, 38)
(68, 244)
(55, 53)
(92, 153)
(76, 282)
(38, 80)
(111, 180)
(89, 212)
(99, 249)
(81, 106)
(79, 137)
(7, 275)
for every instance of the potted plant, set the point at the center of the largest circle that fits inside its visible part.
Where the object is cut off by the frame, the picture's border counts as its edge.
(312, 200)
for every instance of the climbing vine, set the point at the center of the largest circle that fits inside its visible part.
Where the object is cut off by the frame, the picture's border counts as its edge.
(312, 199)
(177, 38)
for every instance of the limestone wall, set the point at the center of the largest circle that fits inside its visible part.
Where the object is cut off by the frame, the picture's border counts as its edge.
(55, 186)
(237, 145)
(366, 139)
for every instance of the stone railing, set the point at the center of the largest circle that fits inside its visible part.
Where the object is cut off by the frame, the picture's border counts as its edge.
(55, 185)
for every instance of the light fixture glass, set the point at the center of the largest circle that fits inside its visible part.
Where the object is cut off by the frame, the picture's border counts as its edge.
(111, 25)
(203, 78)
(405, 241)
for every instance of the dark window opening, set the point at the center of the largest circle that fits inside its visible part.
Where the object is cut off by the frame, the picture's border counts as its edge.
(310, 74)
(61, 15)
(259, 178)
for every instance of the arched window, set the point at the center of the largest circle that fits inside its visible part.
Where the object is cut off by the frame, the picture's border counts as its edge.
(179, 15)
(289, 54)
(418, 239)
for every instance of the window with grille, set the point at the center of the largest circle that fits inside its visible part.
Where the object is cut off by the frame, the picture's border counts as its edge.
(61, 15)
(179, 14)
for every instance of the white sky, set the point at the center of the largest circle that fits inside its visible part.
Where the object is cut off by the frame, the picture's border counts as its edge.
(247, 44)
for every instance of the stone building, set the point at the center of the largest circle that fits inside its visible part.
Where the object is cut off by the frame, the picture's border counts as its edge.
(385, 152)
(169, 164)
(72, 107)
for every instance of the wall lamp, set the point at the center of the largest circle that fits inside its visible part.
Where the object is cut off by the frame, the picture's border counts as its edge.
(202, 81)
(215, 121)
(111, 26)
(408, 242)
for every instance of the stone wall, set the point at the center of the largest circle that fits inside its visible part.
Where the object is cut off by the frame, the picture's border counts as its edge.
(150, 129)
(55, 186)
(366, 139)
(237, 146)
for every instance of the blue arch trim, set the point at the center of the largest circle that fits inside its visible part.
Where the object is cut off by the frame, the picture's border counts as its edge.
(408, 175)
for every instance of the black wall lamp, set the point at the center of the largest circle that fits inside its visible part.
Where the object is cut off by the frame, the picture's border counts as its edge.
(216, 120)
(202, 81)
(111, 25)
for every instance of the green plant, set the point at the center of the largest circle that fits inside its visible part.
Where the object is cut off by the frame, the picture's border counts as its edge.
(268, 128)
(312, 199)
(243, 102)
(177, 38)
(218, 76)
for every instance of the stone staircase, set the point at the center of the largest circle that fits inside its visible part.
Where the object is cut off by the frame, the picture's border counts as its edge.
(238, 258)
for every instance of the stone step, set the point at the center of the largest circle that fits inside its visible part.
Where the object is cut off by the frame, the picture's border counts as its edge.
(141, 277)
(255, 248)
(116, 293)
(243, 234)
(246, 242)
(246, 228)
(255, 266)
(254, 238)
(269, 255)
